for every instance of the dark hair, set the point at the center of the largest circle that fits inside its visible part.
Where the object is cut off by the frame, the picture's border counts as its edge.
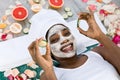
(46, 36)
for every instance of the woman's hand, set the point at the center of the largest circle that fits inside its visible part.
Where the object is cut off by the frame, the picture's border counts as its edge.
(45, 61)
(93, 30)
(109, 48)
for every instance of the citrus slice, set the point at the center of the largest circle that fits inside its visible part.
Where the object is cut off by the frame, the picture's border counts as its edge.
(19, 13)
(3, 25)
(56, 3)
(36, 7)
(16, 28)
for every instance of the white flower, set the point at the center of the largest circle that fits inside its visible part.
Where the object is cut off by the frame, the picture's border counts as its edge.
(113, 26)
(99, 5)
(15, 72)
(101, 16)
(7, 73)
(32, 65)
(109, 8)
(106, 22)
(111, 31)
(23, 76)
(117, 11)
(112, 18)
(91, 2)
(30, 73)
(107, 1)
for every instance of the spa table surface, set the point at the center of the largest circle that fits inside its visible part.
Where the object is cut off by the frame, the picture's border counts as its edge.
(75, 5)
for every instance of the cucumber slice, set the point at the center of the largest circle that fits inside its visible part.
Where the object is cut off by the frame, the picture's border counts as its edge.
(42, 43)
(65, 16)
(67, 9)
(36, 1)
(70, 14)
(26, 30)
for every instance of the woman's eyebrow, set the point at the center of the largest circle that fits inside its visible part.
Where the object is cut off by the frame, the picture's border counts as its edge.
(53, 35)
(65, 29)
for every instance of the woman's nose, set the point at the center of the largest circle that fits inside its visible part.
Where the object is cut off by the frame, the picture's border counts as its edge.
(65, 41)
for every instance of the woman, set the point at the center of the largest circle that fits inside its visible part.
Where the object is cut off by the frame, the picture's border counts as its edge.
(86, 66)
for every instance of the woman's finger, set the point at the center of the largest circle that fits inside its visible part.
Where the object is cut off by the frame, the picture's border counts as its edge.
(40, 39)
(85, 16)
(82, 31)
(48, 52)
(39, 57)
(91, 12)
(31, 45)
(37, 47)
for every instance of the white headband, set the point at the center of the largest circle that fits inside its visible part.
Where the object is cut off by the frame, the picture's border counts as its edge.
(42, 21)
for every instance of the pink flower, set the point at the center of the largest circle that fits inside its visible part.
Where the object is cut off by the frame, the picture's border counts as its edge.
(30, 73)
(85, 1)
(92, 7)
(116, 39)
(102, 11)
(3, 37)
(19, 78)
(10, 77)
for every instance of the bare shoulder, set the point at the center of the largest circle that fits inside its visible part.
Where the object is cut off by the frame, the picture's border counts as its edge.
(105, 53)
(109, 55)
(101, 50)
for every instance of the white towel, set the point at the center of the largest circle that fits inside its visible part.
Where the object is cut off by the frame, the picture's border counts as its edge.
(42, 21)
(14, 52)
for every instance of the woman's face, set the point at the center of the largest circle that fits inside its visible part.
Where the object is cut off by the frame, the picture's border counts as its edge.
(61, 41)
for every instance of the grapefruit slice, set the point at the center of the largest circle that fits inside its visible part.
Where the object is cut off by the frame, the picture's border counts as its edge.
(56, 3)
(16, 28)
(19, 13)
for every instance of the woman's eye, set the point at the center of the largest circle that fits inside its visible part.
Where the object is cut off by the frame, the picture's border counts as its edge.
(66, 33)
(55, 38)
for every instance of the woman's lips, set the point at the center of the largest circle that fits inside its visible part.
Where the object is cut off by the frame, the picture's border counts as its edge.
(67, 48)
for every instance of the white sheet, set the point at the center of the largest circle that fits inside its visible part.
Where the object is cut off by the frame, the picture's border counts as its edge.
(14, 52)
